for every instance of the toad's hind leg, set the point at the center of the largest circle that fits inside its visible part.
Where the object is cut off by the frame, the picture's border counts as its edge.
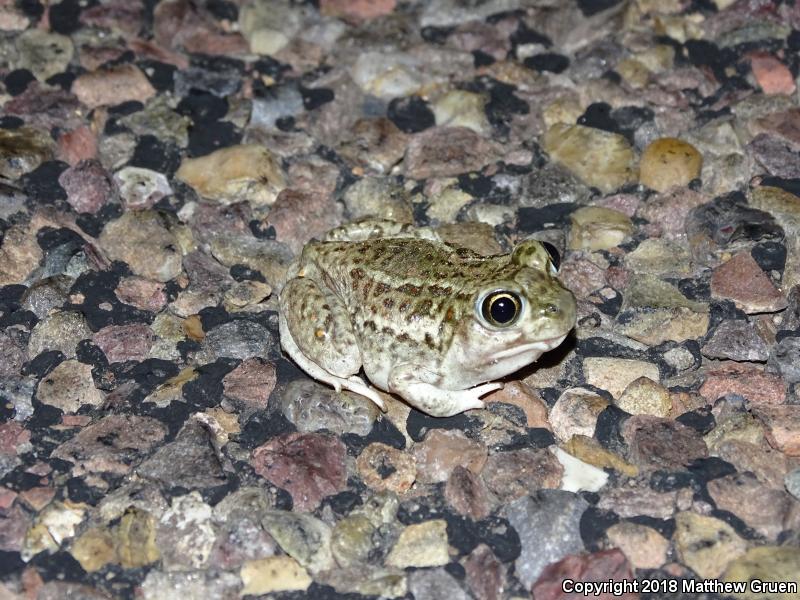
(316, 332)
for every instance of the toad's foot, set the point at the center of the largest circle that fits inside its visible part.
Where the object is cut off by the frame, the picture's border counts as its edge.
(433, 400)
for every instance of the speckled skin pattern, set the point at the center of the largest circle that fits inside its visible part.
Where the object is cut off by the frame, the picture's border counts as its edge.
(408, 310)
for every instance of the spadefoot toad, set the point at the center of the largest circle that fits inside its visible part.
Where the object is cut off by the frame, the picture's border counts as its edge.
(426, 320)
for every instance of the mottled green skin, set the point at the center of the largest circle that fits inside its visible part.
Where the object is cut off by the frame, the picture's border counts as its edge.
(405, 309)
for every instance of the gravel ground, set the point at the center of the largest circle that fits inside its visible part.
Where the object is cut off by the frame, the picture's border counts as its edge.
(161, 163)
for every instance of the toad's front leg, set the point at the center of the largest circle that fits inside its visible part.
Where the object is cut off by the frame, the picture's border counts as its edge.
(417, 386)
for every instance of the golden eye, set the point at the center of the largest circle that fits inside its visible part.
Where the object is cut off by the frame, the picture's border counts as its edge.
(501, 308)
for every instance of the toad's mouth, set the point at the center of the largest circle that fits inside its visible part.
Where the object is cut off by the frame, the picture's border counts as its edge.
(540, 346)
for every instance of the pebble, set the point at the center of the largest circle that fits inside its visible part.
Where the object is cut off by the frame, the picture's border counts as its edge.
(442, 450)
(784, 359)
(190, 585)
(51, 527)
(548, 524)
(435, 583)
(597, 228)
(88, 185)
(775, 155)
(19, 255)
(421, 545)
(142, 240)
(360, 10)
(299, 216)
(575, 413)
(281, 102)
(706, 544)
(68, 387)
(142, 293)
(312, 407)
(141, 188)
(239, 339)
(643, 396)
(246, 172)
(615, 374)
(590, 451)
(12, 355)
(113, 444)
(17, 393)
(375, 144)
(742, 281)
(310, 466)
(747, 381)
(459, 108)
(669, 162)
(273, 574)
(767, 564)
(467, 494)
(303, 537)
(44, 54)
(115, 85)
(353, 539)
(61, 331)
(772, 76)
(368, 580)
(598, 566)
(185, 534)
(667, 212)
(382, 467)
(189, 461)
(159, 116)
(125, 342)
(662, 257)
(47, 295)
(599, 158)
(644, 547)
(388, 75)
(511, 475)
(660, 443)
(378, 197)
(793, 483)
(251, 383)
(581, 276)
(769, 467)
(94, 549)
(767, 510)
(783, 426)
(77, 145)
(22, 150)
(445, 151)
(736, 340)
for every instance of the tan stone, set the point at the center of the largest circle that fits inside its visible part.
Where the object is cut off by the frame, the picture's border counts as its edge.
(589, 450)
(644, 547)
(599, 158)
(766, 563)
(247, 172)
(706, 544)
(421, 545)
(643, 396)
(94, 549)
(614, 374)
(669, 162)
(273, 574)
(598, 228)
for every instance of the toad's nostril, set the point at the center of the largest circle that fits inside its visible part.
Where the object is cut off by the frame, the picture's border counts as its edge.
(552, 309)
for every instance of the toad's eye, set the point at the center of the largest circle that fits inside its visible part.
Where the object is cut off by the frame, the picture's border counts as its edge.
(555, 257)
(501, 308)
